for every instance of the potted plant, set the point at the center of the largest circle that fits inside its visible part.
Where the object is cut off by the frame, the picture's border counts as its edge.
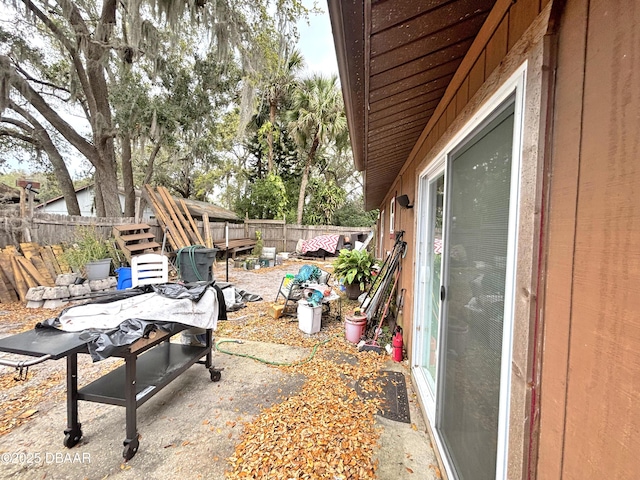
(90, 254)
(354, 269)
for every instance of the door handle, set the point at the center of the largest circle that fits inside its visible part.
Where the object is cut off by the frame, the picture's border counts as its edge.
(443, 293)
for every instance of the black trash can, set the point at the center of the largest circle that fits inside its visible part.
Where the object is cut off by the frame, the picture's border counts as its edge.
(196, 264)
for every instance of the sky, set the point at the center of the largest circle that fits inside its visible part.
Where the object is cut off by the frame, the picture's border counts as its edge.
(316, 42)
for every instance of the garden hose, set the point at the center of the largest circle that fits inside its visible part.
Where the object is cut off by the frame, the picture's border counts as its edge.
(190, 250)
(268, 362)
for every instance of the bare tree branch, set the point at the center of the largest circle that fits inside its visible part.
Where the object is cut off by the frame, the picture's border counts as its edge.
(32, 79)
(7, 132)
(17, 123)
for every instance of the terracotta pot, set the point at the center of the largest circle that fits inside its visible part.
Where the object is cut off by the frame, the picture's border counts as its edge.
(353, 291)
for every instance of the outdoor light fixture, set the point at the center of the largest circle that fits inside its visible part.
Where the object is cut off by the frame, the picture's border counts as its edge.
(403, 201)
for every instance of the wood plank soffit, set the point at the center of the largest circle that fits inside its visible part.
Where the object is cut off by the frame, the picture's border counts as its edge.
(492, 22)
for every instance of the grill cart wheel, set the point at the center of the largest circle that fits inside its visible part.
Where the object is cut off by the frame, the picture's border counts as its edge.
(216, 375)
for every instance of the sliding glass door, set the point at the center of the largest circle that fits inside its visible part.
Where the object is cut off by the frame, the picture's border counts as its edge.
(477, 237)
(464, 296)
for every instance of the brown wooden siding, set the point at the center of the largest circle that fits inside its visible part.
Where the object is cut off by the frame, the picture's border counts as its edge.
(561, 228)
(490, 47)
(590, 420)
(462, 97)
(497, 46)
(466, 93)
(476, 75)
(520, 17)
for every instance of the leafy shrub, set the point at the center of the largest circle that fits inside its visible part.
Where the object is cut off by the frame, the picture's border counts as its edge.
(354, 266)
(88, 246)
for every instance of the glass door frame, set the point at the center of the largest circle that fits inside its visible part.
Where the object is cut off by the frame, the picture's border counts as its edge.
(514, 86)
(426, 179)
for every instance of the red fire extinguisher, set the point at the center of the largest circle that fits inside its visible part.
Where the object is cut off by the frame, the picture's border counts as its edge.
(397, 345)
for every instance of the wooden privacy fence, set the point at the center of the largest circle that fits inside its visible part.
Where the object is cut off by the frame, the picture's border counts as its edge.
(50, 229)
(276, 233)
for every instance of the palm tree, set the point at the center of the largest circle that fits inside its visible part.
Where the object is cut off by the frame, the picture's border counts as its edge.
(316, 119)
(277, 90)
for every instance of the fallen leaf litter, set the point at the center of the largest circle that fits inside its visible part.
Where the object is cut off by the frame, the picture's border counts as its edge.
(324, 431)
(20, 400)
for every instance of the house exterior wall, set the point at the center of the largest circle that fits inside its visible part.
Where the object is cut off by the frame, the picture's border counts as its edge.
(505, 28)
(86, 203)
(588, 323)
(513, 34)
(590, 383)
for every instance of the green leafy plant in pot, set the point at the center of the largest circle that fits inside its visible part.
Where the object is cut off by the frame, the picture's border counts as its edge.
(354, 268)
(90, 254)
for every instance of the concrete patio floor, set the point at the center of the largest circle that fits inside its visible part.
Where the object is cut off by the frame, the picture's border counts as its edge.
(191, 427)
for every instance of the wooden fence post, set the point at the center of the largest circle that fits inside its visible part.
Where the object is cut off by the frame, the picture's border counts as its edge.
(284, 233)
(23, 207)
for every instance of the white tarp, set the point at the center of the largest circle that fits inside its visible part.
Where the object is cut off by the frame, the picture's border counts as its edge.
(148, 306)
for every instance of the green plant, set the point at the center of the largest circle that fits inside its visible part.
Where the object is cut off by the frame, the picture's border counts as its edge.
(88, 246)
(385, 336)
(326, 198)
(257, 250)
(266, 198)
(354, 266)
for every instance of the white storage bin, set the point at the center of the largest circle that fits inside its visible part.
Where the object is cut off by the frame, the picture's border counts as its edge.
(269, 252)
(309, 317)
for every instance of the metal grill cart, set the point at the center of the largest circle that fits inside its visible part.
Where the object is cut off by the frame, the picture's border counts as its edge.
(151, 363)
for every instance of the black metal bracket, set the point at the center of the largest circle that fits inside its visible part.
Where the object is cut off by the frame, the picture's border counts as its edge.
(21, 377)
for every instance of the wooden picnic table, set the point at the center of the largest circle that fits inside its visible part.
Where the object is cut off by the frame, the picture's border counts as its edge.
(235, 245)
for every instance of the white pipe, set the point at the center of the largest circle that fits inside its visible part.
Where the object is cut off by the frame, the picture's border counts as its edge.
(24, 363)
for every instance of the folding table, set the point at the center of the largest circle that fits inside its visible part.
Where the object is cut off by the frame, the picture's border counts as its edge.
(151, 363)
